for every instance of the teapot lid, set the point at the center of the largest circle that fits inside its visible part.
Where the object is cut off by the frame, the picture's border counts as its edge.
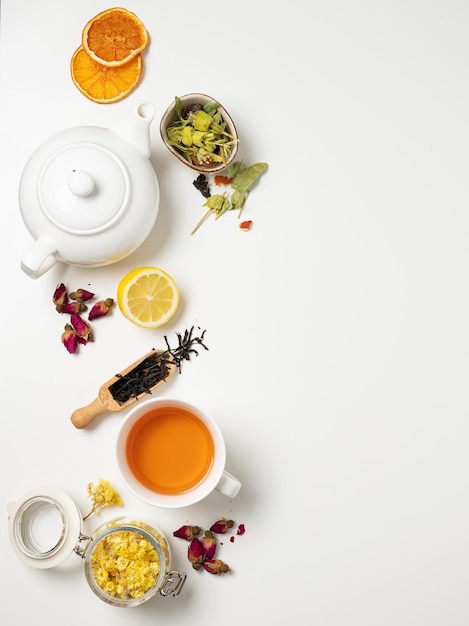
(83, 188)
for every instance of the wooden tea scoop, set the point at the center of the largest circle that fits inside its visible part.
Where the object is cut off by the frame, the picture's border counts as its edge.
(114, 395)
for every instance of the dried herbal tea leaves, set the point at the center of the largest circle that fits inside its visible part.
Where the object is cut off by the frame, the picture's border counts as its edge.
(241, 180)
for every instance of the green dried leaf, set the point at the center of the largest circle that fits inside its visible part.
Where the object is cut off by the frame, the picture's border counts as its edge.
(211, 108)
(178, 107)
(244, 180)
(202, 121)
(215, 202)
(237, 199)
(235, 168)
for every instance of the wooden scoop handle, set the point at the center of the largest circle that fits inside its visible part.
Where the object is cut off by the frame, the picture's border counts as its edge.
(82, 417)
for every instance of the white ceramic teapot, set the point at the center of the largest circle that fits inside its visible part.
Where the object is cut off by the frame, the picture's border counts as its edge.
(89, 195)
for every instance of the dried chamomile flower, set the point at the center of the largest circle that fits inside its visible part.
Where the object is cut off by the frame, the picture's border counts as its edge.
(102, 495)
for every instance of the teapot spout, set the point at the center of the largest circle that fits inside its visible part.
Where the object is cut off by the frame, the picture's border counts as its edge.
(135, 128)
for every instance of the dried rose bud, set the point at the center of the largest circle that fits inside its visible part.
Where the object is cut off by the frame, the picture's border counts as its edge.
(69, 339)
(81, 327)
(101, 308)
(187, 532)
(82, 295)
(246, 225)
(71, 307)
(215, 566)
(222, 526)
(209, 544)
(60, 296)
(195, 553)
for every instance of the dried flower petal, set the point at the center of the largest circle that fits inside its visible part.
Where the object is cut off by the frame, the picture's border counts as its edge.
(246, 225)
(82, 328)
(60, 296)
(69, 339)
(209, 544)
(82, 295)
(101, 308)
(215, 566)
(71, 307)
(223, 180)
(241, 529)
(222, 526)
(187, 532)
(195, 553)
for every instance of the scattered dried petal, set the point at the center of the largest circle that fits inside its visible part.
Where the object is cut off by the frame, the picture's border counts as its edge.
(223, 180)
(209, 544)
(69, 339)
(241, 529)
(82, 295)
(215, 566)
(195, 553)
(71, 307)
(201, 184)
(187, 532)
(81, 327)
(101, 308)
(246, 225)
(60, 296)
(222, 526)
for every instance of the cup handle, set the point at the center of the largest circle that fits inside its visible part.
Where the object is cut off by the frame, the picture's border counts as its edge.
(228, 485)
(39, 258)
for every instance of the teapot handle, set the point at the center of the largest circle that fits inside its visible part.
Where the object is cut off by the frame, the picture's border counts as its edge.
(39, 258)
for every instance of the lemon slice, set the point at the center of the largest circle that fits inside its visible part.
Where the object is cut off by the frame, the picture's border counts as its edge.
(148, 297)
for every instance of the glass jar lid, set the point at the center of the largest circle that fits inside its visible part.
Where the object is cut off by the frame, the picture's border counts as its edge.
(44, 525)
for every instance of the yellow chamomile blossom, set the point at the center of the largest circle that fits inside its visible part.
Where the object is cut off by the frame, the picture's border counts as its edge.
(102, 495)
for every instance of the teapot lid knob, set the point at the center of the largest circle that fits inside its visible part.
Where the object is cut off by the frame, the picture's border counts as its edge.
(80, 183)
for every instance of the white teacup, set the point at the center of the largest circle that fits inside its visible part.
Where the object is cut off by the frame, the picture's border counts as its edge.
(172, 454)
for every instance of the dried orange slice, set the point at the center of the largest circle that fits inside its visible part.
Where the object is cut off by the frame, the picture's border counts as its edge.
(114, 37)
(102, 83)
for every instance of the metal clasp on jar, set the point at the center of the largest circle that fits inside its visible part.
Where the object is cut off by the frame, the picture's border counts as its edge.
(79, 549)
(174, 582)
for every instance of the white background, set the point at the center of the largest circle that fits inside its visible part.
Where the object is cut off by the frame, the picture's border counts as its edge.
(337, 327)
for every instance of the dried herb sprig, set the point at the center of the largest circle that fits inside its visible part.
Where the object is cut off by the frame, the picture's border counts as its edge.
(155, 368)
(242, 180)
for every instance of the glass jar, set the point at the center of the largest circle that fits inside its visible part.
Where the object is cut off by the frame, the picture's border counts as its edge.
(127, 561)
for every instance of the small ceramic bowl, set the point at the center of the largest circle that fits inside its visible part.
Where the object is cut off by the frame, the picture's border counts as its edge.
(170, 116)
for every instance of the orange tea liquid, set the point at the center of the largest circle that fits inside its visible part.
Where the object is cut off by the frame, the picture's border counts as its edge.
(169, 450)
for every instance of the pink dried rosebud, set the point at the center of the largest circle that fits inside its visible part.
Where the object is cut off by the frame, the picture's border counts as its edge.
(82, 295)
(187, 532)
(60, 296)
(195, 553)
(69, 339)
(71, 307)
(209, 544)
(222, 526)
(82, 328)
(101, 308)
(215, 566)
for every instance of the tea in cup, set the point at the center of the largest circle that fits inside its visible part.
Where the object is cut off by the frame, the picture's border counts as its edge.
(172, 454)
